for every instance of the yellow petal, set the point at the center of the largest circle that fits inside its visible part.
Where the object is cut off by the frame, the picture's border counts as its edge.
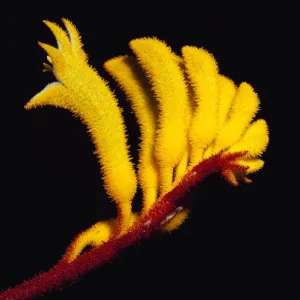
(130, 78)
(75, 39)
(169, 87)
(91, 99)
(62, 39)
(53, 94)
(245, 106)
(191, 104)
(181, 168)
(227, 91)
(94, 236)
(202, 71)
(255, 139)
(253, 164)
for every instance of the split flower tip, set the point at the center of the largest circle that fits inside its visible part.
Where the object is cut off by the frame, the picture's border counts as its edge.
(103, 118)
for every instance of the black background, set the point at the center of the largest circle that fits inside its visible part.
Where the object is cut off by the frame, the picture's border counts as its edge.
(53, 186)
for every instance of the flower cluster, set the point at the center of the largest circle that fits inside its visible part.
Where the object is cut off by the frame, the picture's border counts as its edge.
(193, 121)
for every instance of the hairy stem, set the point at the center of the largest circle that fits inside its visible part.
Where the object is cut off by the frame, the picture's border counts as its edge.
(67, 272)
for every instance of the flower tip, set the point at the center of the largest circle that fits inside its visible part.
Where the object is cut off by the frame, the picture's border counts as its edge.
(140, 41)
(47, 23)
(43, 45)
(133, 41)
(65, 20)
(247, 180)
(188, 48)
(28, 105)
(107, 64)
(230, 177)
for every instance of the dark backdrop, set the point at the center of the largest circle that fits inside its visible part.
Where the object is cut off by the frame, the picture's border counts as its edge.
(53, 186)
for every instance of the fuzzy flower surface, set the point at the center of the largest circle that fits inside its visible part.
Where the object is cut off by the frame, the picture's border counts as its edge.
(193, 121)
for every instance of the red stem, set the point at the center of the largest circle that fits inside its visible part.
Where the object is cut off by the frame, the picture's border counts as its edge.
(66, 272)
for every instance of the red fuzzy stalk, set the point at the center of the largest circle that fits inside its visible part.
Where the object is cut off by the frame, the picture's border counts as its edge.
(67, 272)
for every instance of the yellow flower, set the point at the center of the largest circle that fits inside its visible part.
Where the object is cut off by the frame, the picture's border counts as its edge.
(82, 91)
(186, 109)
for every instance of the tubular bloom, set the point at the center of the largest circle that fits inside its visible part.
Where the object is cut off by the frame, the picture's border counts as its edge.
(193, 121)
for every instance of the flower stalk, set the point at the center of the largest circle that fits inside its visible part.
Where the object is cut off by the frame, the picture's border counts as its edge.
(66, 271)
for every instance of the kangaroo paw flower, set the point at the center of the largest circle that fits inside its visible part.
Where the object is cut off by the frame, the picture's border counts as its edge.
(193, 120)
